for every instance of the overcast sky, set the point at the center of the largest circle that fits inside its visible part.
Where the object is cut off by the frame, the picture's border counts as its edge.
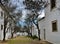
(21, 6)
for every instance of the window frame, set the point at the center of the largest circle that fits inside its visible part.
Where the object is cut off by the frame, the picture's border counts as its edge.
(54, 29)
(53, 4)
(1, 14)
(1, 27)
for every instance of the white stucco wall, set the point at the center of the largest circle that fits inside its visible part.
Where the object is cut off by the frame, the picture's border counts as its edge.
(46, 24)
(34, 30)
(8, 34)
(1, 23)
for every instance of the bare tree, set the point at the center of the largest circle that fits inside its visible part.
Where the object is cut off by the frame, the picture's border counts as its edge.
(35, 6)
(8, 10)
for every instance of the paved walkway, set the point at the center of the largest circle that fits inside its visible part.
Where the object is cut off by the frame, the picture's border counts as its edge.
(24, 40)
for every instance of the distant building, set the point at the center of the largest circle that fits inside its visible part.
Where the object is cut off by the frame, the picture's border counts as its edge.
(50, 25)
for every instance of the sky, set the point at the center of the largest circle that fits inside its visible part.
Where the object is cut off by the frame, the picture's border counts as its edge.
(21, 6)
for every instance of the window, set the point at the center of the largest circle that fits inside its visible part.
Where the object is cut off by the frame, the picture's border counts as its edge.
(53, 3)
(1, 14)
(1, 27)
(54, 26)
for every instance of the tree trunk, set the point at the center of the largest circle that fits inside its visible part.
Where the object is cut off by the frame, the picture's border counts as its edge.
(4, 34)
(38, 32)
(31, 30)
(28, 32)
(12, 35)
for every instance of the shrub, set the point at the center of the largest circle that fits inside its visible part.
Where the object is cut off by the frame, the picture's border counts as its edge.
(34, 37)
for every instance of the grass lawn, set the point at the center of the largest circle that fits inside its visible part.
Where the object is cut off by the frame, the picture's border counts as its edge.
(20, 40)
(23, 40)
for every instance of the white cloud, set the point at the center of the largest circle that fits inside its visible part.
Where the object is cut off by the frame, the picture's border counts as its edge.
(42, 14)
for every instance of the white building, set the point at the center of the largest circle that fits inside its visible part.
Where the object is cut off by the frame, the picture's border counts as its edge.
(3, 15)
(50, 25)
(1, 23)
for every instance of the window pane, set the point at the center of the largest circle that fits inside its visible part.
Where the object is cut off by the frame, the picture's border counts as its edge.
(54, 26)
(1, 14)
(53, 3)
(1, 27)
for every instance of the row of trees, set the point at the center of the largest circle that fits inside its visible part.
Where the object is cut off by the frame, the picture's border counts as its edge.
(9, 14)
(32, 5)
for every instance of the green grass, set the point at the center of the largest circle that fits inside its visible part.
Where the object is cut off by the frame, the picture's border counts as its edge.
(20, 40)
(23, 40)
